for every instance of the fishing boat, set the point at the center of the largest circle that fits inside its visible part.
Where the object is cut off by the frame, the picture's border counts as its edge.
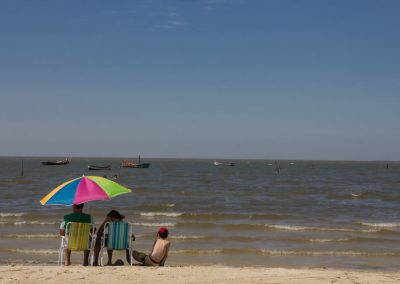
(98, 168)
(57, 163)
(139, 165)
(229, 164)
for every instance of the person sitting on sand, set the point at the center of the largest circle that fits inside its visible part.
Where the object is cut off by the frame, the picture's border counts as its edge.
(79, 217)
(159, 252)
(112, 216)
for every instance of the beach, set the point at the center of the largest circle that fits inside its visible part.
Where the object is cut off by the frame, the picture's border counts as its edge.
(188, 274)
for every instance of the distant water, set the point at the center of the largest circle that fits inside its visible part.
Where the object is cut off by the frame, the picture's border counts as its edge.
(314, 214)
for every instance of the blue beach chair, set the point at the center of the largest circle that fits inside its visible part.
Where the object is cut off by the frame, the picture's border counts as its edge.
(116, 236)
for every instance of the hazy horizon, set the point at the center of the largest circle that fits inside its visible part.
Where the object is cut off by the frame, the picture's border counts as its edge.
(143, 158)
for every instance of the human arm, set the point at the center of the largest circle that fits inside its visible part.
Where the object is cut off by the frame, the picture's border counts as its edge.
(101, 228)
(62, 229)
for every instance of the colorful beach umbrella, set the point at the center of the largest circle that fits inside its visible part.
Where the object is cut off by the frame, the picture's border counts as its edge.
(82, 190)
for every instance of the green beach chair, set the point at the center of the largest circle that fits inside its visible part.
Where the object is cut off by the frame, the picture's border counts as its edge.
(77, 238)
(116, 236)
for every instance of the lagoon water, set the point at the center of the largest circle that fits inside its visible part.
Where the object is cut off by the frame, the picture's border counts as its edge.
(310, 214)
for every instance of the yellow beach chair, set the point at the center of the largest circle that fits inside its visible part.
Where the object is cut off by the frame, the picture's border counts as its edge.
(77, 237)
(117, 236)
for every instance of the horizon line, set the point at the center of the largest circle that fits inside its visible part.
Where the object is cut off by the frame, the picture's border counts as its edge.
(196, 158)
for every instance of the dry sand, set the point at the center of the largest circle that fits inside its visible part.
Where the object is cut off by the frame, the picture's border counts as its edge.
(187, 274)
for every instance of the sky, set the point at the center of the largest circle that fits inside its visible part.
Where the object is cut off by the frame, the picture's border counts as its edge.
(215, 79)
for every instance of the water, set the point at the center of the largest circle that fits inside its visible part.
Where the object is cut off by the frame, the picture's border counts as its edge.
(311, 214)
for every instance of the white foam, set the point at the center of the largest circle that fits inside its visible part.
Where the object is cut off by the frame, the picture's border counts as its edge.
(306, 228)
(36, 251)
(33, 223)
(318, 253)
(328, 240)
(167, 214)
(11, 214)
(287, 228)
(382, 225)
(188, 251)
(154, 224)
(186, 237)
(29, 236)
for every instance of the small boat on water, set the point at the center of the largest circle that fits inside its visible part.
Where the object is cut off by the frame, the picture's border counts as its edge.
(66, 161)
(99, 168)
(229, 164)
(139, 165)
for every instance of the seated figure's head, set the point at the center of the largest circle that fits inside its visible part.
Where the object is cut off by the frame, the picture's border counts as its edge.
(78, 207)
(163, 233)
(115, 215)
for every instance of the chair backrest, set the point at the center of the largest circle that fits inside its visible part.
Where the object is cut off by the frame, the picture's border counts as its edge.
(118, 235)
(78, 236)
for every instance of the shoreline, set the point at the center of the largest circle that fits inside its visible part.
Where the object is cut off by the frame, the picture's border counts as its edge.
(188, 274)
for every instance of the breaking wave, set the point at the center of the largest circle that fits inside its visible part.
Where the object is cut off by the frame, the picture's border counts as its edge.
(154, 224)
(11, 214)
(36, 251)
(167, 214)
(382, 225)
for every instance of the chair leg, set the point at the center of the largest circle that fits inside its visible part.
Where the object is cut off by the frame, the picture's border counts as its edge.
(131, 255)
(61, 256)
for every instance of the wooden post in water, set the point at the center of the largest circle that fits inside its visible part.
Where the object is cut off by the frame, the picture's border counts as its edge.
(22, 168)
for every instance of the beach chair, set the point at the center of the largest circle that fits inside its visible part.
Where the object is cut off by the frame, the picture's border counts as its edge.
(116, 236)
(77, 238)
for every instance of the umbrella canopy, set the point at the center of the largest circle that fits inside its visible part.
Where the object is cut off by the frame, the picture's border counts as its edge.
(83, 189)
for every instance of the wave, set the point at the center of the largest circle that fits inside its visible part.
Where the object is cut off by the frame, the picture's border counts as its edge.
(187, 237)
(196, 251)
(30, 236)
(328, 253)
(167, 214)
(11, 214)
(36, 251)
(154, 224)
(307, 228)
(276, 227)
(232, 216)
(21, 223)
(283, 252)
(381, 225)
(33, 223)
(329, 240)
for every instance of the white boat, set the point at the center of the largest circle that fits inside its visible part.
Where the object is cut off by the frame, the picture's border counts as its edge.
(224, 164)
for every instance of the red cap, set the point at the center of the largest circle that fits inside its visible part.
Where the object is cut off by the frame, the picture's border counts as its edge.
(163, 230)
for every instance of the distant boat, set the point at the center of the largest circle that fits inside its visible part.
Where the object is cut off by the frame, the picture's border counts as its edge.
(57, 163)
(229, 164)
(139, 165)
(98, 168)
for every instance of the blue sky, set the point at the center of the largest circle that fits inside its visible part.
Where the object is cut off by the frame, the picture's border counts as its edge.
(253, 79)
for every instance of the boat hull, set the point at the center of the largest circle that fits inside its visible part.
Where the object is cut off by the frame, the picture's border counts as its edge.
(136, 166)
(99, 168)
(58, 163)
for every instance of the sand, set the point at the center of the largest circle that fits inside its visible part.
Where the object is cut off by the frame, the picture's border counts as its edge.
(187, 274)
